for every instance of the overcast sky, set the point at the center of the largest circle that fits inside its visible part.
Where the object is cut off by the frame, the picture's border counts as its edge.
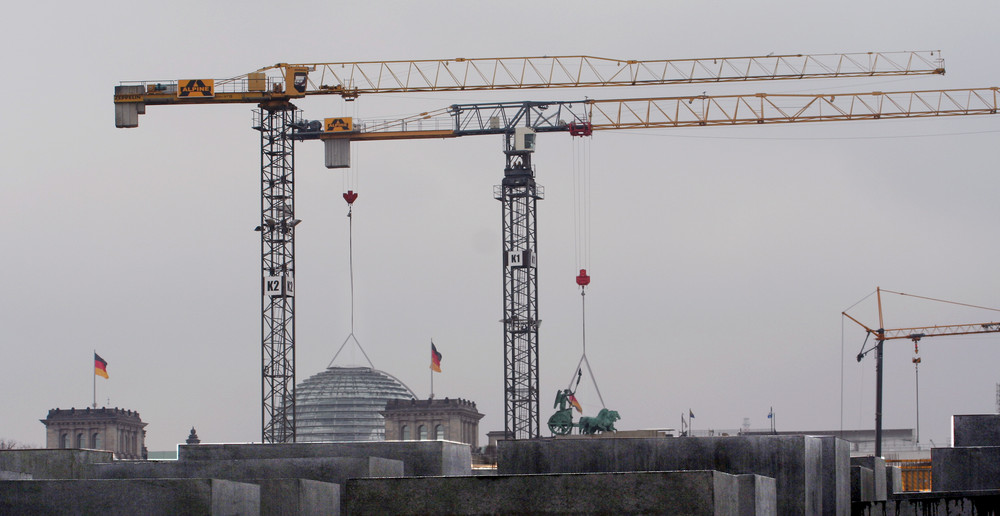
(721, 258)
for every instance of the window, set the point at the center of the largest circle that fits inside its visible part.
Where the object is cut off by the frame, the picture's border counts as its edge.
(64, 441)
(405, 433)
(96, 441)
(423, 432)
(439, 433)
(79, 440)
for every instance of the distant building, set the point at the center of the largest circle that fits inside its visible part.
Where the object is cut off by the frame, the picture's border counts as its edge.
(113, 429)
(896, 442)
(434, 419)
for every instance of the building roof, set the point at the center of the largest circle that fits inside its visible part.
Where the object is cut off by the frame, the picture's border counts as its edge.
(345, 404)
(433, 406)
(102, 414)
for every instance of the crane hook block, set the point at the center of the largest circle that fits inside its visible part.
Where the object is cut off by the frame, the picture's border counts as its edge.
(350, 196)
(583, 280)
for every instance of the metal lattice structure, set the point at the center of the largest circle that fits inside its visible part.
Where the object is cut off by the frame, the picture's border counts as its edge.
(277, 247)
(349, 79)
(519, 195)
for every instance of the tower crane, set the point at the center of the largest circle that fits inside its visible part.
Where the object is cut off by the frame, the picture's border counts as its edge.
(915, 334)
(518, 192)
(273, 89)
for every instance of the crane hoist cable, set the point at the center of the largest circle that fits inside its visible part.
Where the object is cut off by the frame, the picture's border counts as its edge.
(350, 197)
(581, 217)
(349, 182)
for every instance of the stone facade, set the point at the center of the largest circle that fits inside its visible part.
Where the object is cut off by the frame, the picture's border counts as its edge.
(113, 429)
(420, 420)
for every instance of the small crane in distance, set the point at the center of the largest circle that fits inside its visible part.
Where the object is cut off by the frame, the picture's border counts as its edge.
(915, 334)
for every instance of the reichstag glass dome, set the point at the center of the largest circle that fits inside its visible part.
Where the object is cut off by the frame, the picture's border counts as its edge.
(343, 404)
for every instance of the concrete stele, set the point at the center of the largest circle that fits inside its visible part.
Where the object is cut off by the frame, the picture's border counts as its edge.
(793, 461)
(420, 458)
(696, 493)
(157, 497)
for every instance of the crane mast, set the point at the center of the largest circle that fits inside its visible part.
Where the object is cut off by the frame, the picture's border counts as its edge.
(273, 88)
(277, 241)
(519, 195)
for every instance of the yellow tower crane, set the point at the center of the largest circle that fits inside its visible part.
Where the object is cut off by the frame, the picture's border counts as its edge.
(915, 334)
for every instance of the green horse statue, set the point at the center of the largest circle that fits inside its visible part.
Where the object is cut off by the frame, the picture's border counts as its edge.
(604, 422)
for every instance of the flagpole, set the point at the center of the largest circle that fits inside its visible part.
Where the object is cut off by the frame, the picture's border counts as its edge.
(432, 374)
(95, 383)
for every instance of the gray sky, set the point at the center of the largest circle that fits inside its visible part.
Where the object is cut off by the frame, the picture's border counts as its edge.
(721, 257)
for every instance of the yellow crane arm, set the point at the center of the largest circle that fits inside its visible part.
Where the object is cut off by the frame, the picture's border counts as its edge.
(940, 331)
(350, 79)
(764, 108)
(710, 110)
(919, 332)
(916, 333)
(354, 78)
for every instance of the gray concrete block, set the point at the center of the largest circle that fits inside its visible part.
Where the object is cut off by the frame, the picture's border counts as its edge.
(52, 464)
(836, 476)
(298, 497)
(334, 470)
(129, 497)
(975, 430)
(893, 481)
(665, 492)
(420, 458)
(952, 503)
(862, 484)
(965, 469)
(793, 461)
(758, 496)
(877, 466)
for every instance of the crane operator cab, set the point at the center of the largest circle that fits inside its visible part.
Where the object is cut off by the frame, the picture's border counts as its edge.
(524, 139)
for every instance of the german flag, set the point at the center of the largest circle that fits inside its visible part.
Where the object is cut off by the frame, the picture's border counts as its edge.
(576, 404)
(435, 359)
(100, 366)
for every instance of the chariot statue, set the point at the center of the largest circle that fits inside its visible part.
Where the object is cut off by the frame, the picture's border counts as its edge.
(561, 423)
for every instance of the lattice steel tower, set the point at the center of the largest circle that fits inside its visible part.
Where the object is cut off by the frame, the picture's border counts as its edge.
(518, 195)
(277, 247)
